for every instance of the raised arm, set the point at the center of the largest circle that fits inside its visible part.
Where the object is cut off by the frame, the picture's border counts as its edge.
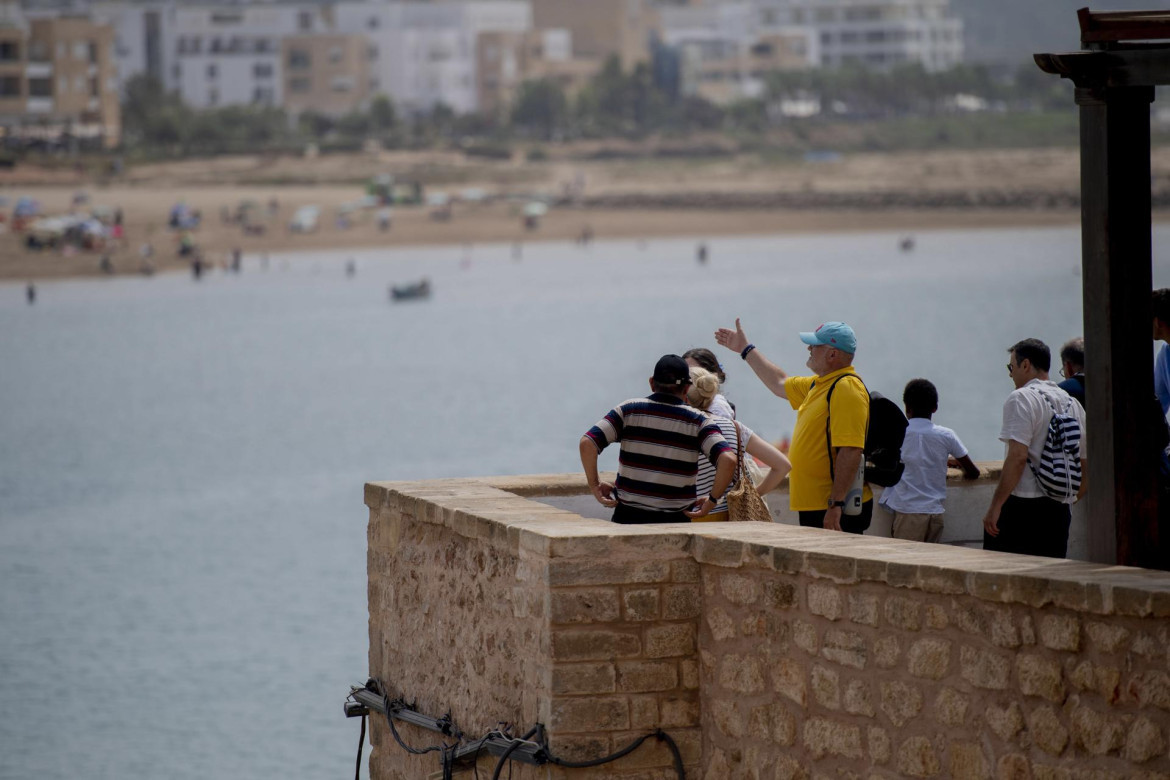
(769, 373)
(777, 461)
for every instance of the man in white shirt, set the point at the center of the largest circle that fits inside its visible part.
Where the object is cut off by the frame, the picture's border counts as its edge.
(916, 501)
(1022, 518)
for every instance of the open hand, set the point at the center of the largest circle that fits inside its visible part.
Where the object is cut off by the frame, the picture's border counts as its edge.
(603, 492)
(991, 522)
(833, 518)
(735, 340)
(700, 509)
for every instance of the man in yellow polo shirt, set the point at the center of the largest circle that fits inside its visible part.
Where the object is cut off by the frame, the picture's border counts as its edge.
(821, 473)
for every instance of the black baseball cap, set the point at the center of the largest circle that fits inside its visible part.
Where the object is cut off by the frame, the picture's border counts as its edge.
(672, 370)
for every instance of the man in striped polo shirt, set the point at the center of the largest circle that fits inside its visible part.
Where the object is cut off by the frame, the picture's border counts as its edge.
(662, 439)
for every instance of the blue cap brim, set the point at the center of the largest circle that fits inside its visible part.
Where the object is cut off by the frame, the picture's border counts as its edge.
(809, 338)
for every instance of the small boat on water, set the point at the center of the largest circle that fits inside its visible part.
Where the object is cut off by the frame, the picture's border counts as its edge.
(410, 292)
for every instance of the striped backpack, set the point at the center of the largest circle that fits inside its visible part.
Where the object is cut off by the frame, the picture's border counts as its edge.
(1059, 472)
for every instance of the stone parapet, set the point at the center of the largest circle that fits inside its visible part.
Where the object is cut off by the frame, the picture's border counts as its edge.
(764, 650)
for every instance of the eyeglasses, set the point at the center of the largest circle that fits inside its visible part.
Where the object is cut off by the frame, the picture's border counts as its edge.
(1063, 374)
(1009, 367)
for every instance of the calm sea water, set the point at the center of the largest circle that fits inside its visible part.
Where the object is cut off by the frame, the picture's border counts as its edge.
(182, 535)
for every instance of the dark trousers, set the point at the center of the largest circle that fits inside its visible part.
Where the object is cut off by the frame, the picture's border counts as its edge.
(850, 524)
(1031, 526)
(632, 515)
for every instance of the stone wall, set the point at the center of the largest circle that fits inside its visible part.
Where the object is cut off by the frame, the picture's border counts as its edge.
(764, 650)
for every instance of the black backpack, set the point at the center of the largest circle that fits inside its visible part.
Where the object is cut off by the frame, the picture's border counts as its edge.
(883, 438)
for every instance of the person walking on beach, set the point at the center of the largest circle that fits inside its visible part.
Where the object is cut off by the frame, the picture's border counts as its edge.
(1072, 368)
(1024, 517)
(916, 500)
(661, 440)
(827, 444)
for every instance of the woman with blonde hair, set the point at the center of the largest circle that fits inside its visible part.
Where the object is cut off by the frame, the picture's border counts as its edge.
(703, 391)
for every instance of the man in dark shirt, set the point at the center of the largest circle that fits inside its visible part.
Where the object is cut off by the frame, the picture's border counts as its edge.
(662, 439)
(1072, 359)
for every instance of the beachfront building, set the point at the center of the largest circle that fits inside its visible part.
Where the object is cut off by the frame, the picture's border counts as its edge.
(326, 73)
(872, 33)
(602, 28)
(722, 54)
(507, 60)
(231, 55)
(424, 54)
(57, 80)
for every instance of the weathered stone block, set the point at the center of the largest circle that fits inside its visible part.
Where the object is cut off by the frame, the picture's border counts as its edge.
(1002, 627)
(1150, 688)
(739, 589)
(679, 711)
(904, 613)
(1040, 676)
(836, 567)
(788, 679)
(822, 737)
(1143, 741)
(916, 758)
(825, 600)
(968, 617)
(681, 602)
(644, 712)
(772, 722)
(779, 594)
(1061, 632)
(1133, 602)
(1097, 733)
(804, 634)
(720, 624)
(900, 702)
(1047, 730)
(569, 572)
(886, 651)
(826, 687)
(1005, 722)
(584, 605)
(719, 552)
(984, 668)
(951, 707)
(858, 698)
(847, 648)
(1147, 647)
(584, 678)
(727, 718)
(968, 762)
(573, 747)
(685, 570)
(935, 579)
(594, 645)
(879, 744)
(668, 640)
(640, 604)
(741, 673)
(643, 676)
(930, 658)
(936, 617)
(594, 713)
(1013, 767)
(688, 673)
(863, 608)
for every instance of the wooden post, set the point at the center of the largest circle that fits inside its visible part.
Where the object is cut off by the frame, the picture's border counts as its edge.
(1117, 276)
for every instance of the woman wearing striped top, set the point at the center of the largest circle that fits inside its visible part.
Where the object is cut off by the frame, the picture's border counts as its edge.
(701, 395)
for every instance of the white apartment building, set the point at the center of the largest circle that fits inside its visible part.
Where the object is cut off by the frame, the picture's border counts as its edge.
(423, 54)
(231, 54)
(874, 33)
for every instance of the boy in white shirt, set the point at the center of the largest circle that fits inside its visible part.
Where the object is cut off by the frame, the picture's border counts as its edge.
(916, 501)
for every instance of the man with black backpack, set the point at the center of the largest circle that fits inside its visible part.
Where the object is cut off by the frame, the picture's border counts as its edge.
(1044, 464)
(827, 447)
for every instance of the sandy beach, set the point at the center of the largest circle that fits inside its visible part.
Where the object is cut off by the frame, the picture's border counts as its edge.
(146, 194)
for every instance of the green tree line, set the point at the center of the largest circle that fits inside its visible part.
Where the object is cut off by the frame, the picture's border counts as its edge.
(615, 103)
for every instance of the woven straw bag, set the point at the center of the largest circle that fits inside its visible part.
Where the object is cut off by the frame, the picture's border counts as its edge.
(744, 503)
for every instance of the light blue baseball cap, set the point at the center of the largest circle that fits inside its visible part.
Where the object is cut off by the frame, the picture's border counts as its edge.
(837, 335)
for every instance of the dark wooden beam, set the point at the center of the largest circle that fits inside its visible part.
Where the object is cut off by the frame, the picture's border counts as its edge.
(1146, 66)
(1117, 276)
(1117, 26)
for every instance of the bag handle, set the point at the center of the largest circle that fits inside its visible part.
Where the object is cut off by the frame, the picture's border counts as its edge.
(738, 456)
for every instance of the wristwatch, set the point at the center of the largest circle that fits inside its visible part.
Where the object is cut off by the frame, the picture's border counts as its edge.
(836, 503)
(712, 499)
